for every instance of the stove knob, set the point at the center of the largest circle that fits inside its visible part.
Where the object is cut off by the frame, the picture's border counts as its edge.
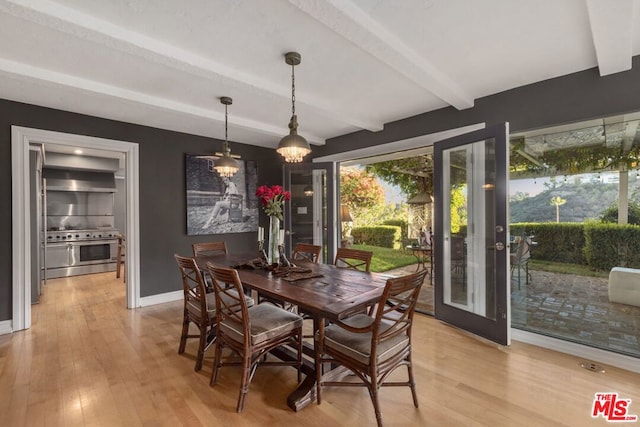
(63, 237)
(100, 235)
(77, 236)
(87, 235)
(49, 237)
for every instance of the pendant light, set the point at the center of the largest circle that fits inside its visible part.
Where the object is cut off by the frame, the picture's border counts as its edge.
(226, 165)
(293, 147)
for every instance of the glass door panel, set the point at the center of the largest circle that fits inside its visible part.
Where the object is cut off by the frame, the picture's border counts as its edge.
(310, 211)
(471, 229)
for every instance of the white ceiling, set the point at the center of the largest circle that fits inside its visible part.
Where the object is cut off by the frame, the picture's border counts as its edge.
(165, 63)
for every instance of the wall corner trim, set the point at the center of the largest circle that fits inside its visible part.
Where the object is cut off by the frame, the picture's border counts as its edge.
(6, 327)
(161, 298)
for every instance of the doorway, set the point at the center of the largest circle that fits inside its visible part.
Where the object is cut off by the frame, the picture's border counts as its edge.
(21, 139)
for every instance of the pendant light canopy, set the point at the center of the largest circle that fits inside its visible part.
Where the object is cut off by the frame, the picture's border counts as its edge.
(226, 165)
(293, 147)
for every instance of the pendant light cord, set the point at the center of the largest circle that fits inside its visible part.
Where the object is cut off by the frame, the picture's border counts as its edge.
(293, 90)
(226, 121)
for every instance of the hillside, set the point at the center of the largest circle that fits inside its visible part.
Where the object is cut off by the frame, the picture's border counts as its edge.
(585, 200)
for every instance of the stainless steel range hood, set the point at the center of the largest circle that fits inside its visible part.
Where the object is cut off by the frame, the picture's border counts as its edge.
(78, 180)
(65, 172)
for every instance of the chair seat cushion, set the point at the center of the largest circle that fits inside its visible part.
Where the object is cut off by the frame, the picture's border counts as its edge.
(267, 321)
(357, 346)
(194, 307)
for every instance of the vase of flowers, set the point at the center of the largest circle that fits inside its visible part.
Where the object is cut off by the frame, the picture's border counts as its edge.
(273, 199)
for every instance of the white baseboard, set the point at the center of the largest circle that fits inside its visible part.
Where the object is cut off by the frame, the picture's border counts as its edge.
(582, 351)
(161, 298)
(6, 327)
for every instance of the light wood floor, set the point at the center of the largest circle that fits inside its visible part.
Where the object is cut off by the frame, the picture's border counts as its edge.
(87, 360)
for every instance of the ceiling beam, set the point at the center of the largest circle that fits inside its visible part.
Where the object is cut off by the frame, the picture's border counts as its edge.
(349, 21)
(20, 70)
(612, 31)
(92, 29)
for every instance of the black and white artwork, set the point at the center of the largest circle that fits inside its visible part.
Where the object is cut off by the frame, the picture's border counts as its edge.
(219, 205)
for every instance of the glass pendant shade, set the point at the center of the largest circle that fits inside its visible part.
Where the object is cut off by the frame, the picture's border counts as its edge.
(293, 147)
(226, 165)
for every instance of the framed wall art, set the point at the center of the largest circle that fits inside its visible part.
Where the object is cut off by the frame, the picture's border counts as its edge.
(219, 205)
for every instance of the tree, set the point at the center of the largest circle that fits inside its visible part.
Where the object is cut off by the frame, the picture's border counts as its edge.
(557, 201)
(458, 209)
(360, 191)
(611, 214)
(410, 175)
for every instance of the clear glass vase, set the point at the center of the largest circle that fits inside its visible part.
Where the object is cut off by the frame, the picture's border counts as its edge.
(273, 255)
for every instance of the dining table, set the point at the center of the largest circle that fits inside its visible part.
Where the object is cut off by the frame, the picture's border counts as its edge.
(322, 292)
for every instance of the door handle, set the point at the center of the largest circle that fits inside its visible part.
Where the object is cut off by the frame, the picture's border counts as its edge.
(499, 246)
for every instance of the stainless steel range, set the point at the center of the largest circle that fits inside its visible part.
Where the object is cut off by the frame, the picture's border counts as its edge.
(74, 252)
(79, 209)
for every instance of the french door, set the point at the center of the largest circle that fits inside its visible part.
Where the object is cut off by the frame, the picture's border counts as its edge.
(310, 216)
(471, 232)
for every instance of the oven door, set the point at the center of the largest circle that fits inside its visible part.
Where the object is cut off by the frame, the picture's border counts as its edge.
(58, 254)
(93, 252)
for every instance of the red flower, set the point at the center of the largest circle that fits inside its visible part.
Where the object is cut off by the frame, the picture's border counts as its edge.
(272, 199)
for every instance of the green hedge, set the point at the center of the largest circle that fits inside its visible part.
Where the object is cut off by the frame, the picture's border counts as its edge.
(404, 227)
(601, 246)
(555, 241)
(386, 236)
(611, 245)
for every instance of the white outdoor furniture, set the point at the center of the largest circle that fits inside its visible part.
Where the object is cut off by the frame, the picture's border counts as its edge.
(624, 286)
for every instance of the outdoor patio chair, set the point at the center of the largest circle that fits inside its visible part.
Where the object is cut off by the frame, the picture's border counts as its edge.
(520, 259)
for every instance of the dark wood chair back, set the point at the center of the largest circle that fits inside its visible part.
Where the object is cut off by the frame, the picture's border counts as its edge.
(196, 306)
(353, 258)
(209, 248)
(306, 252)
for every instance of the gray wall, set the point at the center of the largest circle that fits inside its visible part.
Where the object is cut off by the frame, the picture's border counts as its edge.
(162, 189)
(571, 98)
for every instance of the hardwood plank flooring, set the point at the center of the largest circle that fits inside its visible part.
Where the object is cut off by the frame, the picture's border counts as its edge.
(87, 360)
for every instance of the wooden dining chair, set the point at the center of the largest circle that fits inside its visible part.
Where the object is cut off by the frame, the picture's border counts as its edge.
(306, 252)
(372, 347)
(199, 308)
(250, 331)
(353, 258)
(120, 257)
(209, 248)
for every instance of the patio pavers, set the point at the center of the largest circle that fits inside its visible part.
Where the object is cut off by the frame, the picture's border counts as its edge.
(565, 306)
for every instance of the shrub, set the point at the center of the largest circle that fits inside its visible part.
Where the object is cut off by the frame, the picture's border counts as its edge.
(386, 236)
(404, 227)
(611, 245)
(611, 214)
(555, 241)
